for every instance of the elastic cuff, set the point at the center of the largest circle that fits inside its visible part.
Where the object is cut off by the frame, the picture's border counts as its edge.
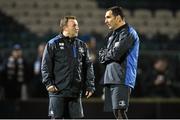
(48, 83)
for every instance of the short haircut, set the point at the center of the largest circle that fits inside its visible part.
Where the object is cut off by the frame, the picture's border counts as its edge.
(116, 10)
(64, 20)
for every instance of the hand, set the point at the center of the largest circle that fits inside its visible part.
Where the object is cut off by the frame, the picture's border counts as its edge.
(88, 94)
(102, 51)
(52, 88)
(102, 54)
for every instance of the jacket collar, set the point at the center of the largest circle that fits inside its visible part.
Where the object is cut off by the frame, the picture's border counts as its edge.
(62, 36)
(68, 39)
(120, 28)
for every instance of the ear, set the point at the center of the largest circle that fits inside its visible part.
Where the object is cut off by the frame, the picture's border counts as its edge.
(119, 18)
(64, 28)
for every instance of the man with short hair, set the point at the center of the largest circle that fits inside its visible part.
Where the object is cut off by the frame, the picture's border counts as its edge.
(66, 69)
(120, 58)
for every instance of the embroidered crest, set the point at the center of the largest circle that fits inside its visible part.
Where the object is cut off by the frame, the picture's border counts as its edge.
(116, 44)
(81, 50)
(61, 45)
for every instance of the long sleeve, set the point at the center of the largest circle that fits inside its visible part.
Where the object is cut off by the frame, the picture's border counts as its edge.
(120, 48)
(90, 85)
(47, 66)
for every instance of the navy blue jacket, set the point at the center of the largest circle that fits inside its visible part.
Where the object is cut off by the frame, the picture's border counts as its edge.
(66, 65)
(121, 56)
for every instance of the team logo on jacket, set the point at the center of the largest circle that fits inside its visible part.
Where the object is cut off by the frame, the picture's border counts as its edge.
(61, 45)
(81, 50)
(116, 44)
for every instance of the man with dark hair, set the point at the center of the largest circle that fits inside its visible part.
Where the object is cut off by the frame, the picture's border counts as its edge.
(120, 58)
(66, 69)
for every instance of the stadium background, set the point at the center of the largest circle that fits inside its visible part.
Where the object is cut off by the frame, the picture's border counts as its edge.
(31, 22)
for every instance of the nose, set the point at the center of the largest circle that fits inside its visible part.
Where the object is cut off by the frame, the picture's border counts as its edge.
(105, 21)
(77, 28)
